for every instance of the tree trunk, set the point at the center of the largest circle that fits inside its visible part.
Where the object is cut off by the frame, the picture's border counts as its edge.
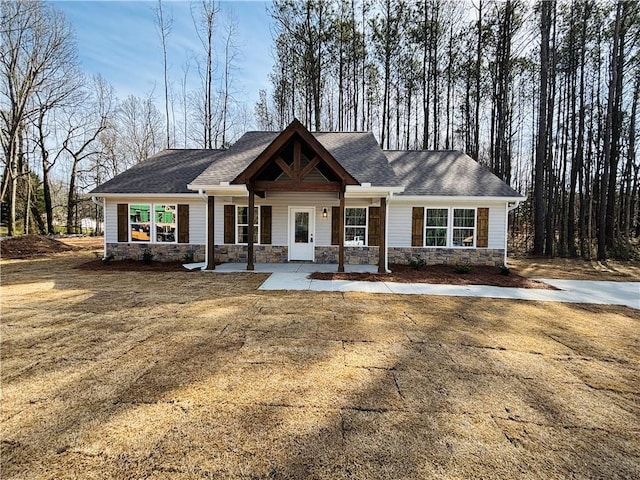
(603, 234)
(541, 148)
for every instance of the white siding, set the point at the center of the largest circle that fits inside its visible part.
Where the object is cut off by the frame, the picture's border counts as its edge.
(197, 216)
(197, 222)
(111, 221)
(399, 228)
(280, 203)
(400, 213)
(497, 225)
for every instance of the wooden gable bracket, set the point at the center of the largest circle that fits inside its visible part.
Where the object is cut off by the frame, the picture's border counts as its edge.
(296, 134)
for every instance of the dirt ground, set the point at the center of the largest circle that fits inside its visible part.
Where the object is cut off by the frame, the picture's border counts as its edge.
(199, 375)
(576, 269)
(33, 246)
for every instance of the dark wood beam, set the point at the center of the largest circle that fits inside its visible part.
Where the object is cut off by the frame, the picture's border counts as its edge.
(309, 167)
(211, 241)
(294, 132)
(285, 168)
(341, 234)
(295, 186)
(383, 239)
(297, 153)
(252, 203)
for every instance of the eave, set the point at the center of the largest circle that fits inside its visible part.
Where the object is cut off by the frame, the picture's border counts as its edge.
(138, 194)
(456, 198)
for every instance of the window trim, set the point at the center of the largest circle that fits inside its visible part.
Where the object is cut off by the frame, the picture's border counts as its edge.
(450, 227)
(427, 227)
(366, 227)
(475, 226)
(152, 224)
(256, 224)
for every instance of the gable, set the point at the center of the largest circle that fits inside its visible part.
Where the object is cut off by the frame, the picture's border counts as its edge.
(290, 159)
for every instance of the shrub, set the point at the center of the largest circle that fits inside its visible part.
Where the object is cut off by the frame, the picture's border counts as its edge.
(462, 268)
(417, 262)
(188, 257)
(147, 256)
(504, 270)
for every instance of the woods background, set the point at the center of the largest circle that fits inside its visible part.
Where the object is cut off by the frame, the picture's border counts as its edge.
(543, 94)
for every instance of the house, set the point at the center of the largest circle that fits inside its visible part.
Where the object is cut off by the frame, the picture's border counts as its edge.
(319, 197)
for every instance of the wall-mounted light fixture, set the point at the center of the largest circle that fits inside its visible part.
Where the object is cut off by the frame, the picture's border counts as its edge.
(325, 212)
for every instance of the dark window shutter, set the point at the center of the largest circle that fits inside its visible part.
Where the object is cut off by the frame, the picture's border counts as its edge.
(265, 224)
(374, 226)
(482, 229)
(229, 223)
(417, 227)
(123, 222)
(183, 223)
(335, 225)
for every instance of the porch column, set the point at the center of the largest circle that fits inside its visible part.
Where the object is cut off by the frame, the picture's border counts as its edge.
(341, 233)
(382, 249)
(211, 227)
(251, 221)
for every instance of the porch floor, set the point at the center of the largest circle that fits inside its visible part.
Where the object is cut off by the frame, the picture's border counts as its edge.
(305, 268)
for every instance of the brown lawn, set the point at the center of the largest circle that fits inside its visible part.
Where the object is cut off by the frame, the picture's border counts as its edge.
(199, 375)
(576, 269)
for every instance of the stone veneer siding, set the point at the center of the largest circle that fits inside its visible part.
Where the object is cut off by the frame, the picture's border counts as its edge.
(261, 254)
(279, 254)
(436, 256)
(167, 252)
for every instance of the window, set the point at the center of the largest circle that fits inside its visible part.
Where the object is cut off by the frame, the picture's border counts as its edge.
(242, 225)
(160, 227)
(165, 219)
(140, 223)
(355, 230)
(436, 222)
(464, 227)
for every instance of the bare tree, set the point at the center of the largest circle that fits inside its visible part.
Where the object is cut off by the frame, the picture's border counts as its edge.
(139, 126)
(84, 126)
(204, 20)
(230, 55)
(164, 30)
(37, 61)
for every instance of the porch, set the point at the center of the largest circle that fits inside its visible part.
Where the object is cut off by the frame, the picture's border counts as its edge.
(292, 267)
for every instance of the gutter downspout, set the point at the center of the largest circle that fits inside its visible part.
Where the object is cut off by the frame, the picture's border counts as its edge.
(103, 204)
(508, 208)
(386, 233)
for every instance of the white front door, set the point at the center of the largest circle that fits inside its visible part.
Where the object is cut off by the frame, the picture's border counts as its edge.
(302, 224)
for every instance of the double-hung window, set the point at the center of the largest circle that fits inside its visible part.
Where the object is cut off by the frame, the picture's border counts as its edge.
(464, 227)
(242, 225)
(153, 223)
(436, 222)
(355, 230)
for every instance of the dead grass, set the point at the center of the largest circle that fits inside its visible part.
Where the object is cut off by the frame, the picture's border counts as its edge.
(33, 246)
(576, 269)
(199, 375)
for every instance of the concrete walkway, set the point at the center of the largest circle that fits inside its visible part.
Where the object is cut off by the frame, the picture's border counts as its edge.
(294, 276)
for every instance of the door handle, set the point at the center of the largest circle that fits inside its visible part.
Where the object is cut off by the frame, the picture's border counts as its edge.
(311, 238)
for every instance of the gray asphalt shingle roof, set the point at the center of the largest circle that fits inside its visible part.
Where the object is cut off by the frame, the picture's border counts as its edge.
(357, 152)
(168, 171)
(446, 173)
(430, 173)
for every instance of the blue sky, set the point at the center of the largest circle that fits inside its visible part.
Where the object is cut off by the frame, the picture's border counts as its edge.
(120, 41)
